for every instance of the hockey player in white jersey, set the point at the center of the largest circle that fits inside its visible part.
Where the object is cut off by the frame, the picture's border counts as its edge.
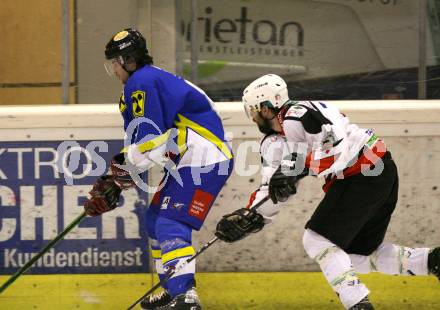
(345, 234)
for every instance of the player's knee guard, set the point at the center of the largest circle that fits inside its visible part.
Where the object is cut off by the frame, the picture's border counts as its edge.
(314, 243)
(330, 257)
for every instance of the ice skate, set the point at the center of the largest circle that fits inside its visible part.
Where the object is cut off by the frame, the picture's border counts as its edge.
(187, 301)
(156, 301)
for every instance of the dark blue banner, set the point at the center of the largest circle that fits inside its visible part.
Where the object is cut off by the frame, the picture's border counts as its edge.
(43, 186)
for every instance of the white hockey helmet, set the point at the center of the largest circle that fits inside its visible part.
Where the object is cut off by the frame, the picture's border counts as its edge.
(270, 89)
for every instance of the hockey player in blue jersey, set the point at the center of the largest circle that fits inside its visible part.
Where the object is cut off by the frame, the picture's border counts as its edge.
(162, 110)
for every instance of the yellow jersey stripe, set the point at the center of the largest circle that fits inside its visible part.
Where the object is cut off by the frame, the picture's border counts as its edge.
(205, 133)
(151, 144)
(187, 251)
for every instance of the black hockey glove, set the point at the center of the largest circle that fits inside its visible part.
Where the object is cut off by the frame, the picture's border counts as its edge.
(237, 225)
(283, 182)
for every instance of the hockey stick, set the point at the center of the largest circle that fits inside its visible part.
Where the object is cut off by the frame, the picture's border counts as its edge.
(189, 260)
(42, 252)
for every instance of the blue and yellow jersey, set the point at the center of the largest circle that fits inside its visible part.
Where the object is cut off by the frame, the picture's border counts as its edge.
(156, 103)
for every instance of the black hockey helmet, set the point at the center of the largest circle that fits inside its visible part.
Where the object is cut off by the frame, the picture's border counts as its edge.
(128, 43)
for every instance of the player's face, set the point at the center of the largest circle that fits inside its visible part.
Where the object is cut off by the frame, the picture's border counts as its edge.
(114, 68)
(264, 124)
(119, 71)
(255, 116)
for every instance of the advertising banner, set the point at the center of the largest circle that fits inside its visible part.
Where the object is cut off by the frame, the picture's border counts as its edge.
(239, 40)
(43, 186)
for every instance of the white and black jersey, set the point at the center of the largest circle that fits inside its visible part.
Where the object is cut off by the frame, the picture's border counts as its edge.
(331, 145)
(356, 209)
(334, 147)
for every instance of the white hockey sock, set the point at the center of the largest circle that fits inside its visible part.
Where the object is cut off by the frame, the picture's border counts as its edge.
(393, 259)
(336, 267)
